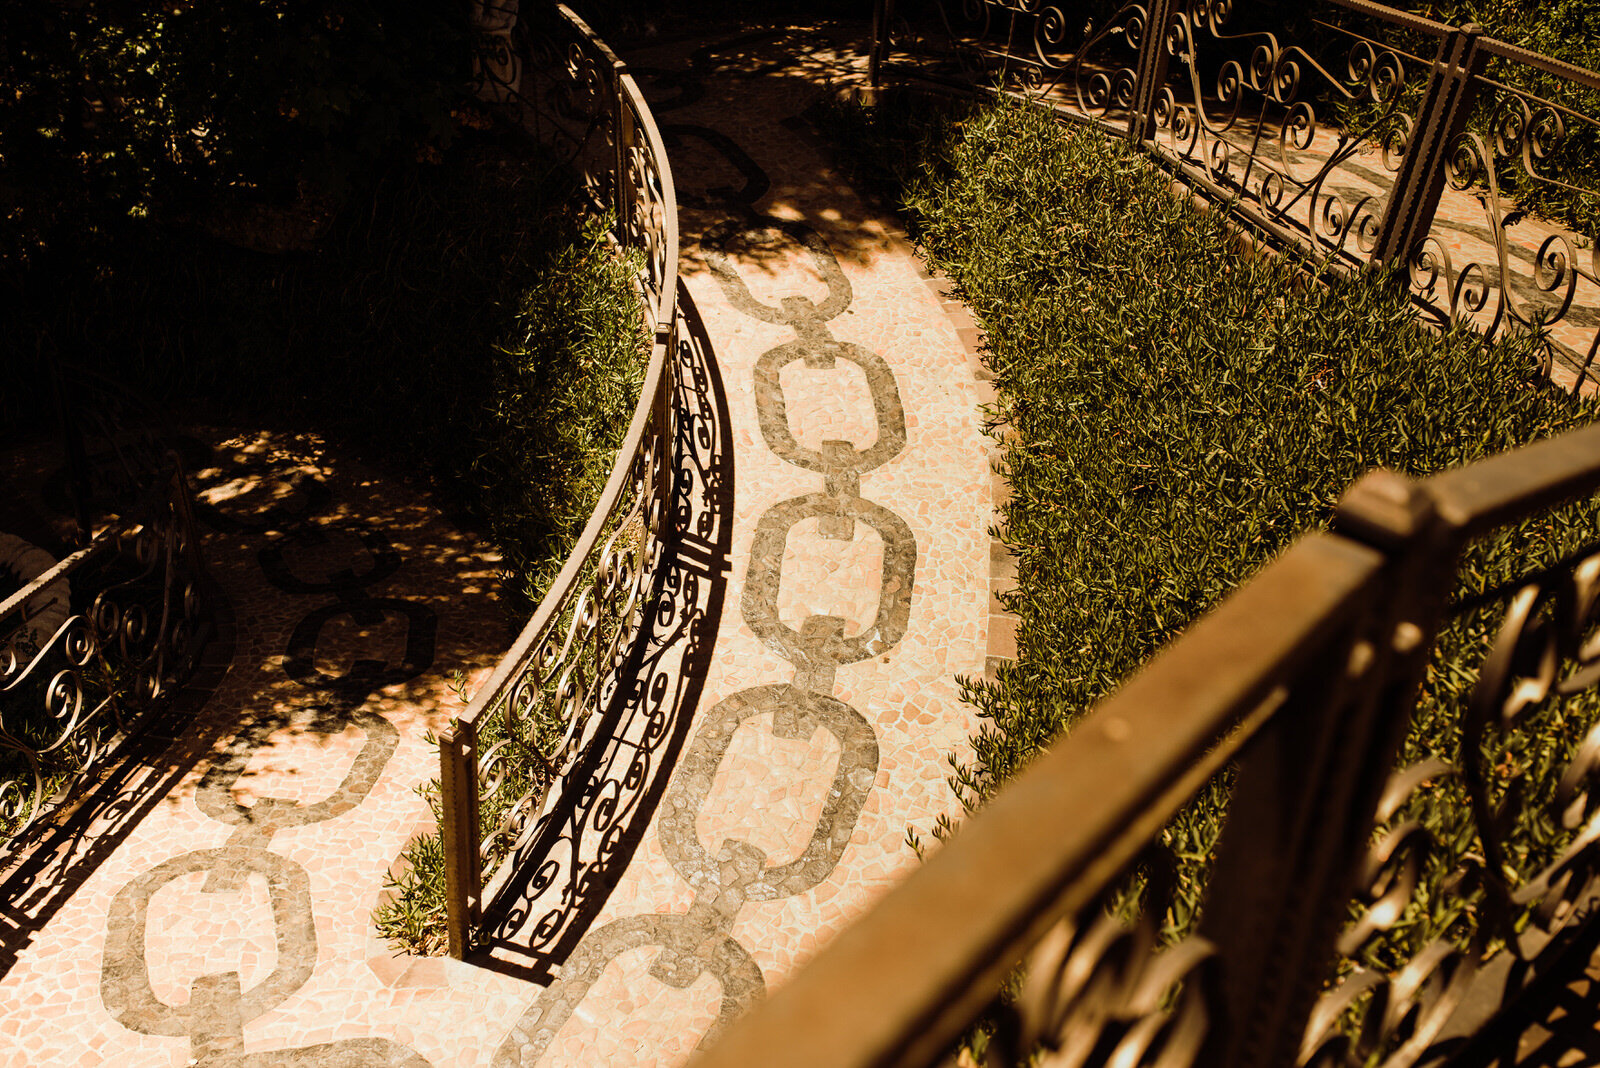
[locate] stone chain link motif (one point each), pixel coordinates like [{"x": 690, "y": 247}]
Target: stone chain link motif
[
  {"x": 219, "y": 1007},
  {"x": 699, "y": 941},
  {"x": 561, "y": 877}
]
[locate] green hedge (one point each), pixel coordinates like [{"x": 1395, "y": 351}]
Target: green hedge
[{"x": 1176, "y": 414}]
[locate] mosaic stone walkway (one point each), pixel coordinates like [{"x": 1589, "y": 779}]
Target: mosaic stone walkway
[
  {"x": 230, "y": 925},
  {"x": 859, "y": 584},
  {"x": 231, "y": 922}
]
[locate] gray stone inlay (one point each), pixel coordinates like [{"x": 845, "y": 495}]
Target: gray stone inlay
[
  {"x": 255, "y": 825},
  {"x": 760, "y": 601},
  {"x": 691, "y": 944},
  {"x": 835, "y": 462},
  {"x": 797, "y": 312},
  {"x": 796, "y": 715},
  {"x": 348, "y": 1053},
  {"x": 218, "y": 1009}
]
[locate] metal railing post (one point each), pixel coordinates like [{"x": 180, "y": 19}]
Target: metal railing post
[
  {"x": 1151, "y": 73},
  {"x": 621, "y": 130},
  {"x": 882, "y": 14},
  {"x": 661, "y": 484},
  {"x": 475, "y": 870},
  {"x": 1452, "y": 88},
  {"x": 1308, "y": 787},
  {"x": 458, "y": 792}
]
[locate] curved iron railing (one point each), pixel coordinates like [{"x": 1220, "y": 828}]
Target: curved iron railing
[
  {"x": 1297, "y": 692},
  {"x": 1340, "y": 134},
  {"x": 87, "y": 650},
  {"x": 506, "y": 765}
]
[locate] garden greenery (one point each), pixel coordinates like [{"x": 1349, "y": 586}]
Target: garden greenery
[
  {"x": 1173, "y": 414},
  {"x": 1565, "y": 186},
  {"x": 557, "y": 352},
  {"x": 116, "y": 111}
]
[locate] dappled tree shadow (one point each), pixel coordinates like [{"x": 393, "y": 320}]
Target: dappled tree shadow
[{"x": 345, "y": 604}]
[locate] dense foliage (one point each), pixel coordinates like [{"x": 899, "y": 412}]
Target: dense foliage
[
  {"x": 463, "y": 320},
  {"x": 116, "y": 111},
  {"x": 467, "y": 302},
  {"x": 1174, "y": 415},
  {"x": 285, "y": 215}
]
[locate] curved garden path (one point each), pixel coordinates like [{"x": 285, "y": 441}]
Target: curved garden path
[
  {"x": 226, "y": 918},
  {"x": 859, "y": 581}
]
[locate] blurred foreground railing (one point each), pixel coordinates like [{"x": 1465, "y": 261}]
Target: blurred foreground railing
[
  {"x": 1372, "y": 898},
  {"x": 88, "y": 649},
  {"x": 1346, "y": 129},
  {"x": 508, "y": 764}
]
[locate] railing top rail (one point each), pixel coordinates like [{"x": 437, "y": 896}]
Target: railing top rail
[
  {"x": 63, "y": 568},
  {"x": 924, "y": 962},
  {"x": 506, "y": 671},
  {"x": 1493, "y": 46},
  {"x": 1394, "y": 15},
  {"x": 1516, "y": 484},
  {"x": 594, "y": 40},
  {"x": 1549, "y": 64},
  {"x": 664, "y": 313}
]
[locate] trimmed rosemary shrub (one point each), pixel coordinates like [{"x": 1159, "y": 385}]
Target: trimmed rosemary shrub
[
  {"x": 544, "y": 372},
  {"x": 1174, "y": 414}
]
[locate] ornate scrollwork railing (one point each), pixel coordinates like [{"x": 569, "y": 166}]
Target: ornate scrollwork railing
[
  {"x": 1394, "y": 863},
  {"x": 1337, "y": 137},
  {"x": 88, "y": 648},
  {"x": 510, "y": 765}
]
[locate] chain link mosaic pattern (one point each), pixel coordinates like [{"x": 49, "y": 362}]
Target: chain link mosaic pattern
[
  {"x": 698, "y": 942},
  {"x": 352, "y": 560},
  {"x": 769, "y": 813}
]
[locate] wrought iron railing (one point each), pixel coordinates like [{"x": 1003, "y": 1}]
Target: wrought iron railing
[
  {"x": 1336, "y": 135},
  {"x": 516, "y": 795},
  {"x": 88, "y": 648},
  {"x": 1291, "y": 702}
]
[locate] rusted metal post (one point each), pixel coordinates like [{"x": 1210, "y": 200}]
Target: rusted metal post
[
  {"x": 458, "y": 790},
  {"x": 1151, "y": 73},
  {"x": 78, "y": 481},
  {"x": 663, "y": 407},
  {"x": 1452, "y": 87},
  {"x": 622, "y": 139},
  {"x": 1303, "y": 802}
]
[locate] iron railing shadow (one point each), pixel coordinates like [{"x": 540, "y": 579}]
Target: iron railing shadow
[{"x": 549, "y": 777}]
